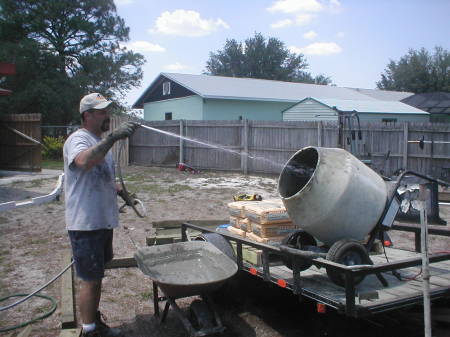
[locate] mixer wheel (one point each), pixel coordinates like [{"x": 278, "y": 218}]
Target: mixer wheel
[
  {"x": 298, "y": 240},
  {"x": 348, "y": 252}
]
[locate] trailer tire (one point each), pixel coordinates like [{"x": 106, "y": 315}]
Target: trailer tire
[
  {"x": 219, "y": 242},
  {"x": 298, "y": 240},
  {"x": 348, "y": 252}
]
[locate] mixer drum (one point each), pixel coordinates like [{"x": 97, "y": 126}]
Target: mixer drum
[{"x": 331, "y": 194}]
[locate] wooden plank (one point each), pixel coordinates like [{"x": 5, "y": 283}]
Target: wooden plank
[
  {"x": 244, "y": 146},
  {"x": 25, "y": 332},
  {"x": 70, "y": 333},
  {"x": 122, "y": 262},
  {"x": 68, "y": 318},
  {"x": 176, "y": 223},
  {"x": 440, "y": 281},
  {"x": 405, "y": 145}
]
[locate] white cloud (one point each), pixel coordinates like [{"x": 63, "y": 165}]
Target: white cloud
[
  {"x": 177, "y": 66},
  {"x": 145, "y": 47},
  {"x": 335, "y": 5},
  {"x": 123, "y": 2},
  {"x": 293, "y": 6},
  {"x": 282, "y": 24},
  {"x": 340, "y": 35},
  {"x": 318, "y": 48},
  {"x": 310, "y": 35},
  {"x": 303, "y": 19},
  {"x": 186, "y": 23}
]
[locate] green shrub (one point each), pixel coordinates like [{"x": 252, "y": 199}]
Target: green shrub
[{"x": 53, "y": 147}]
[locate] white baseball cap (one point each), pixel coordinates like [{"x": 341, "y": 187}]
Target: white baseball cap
[{"x": 93, "y": 101}]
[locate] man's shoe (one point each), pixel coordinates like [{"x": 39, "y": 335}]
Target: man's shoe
[
  {"x": 94, "y": 333},
  {"x": 103, "y": 329}
]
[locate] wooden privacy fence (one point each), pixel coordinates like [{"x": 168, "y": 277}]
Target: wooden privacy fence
[
  {"x": 121, "y": 158},
  {"x": 265, "y": 146},
  {"x": 17, "y": 152}
]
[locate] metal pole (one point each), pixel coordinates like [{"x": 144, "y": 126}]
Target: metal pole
[
  {"x": 181, "y": 153},
  {"x": 425, "y": 261}
]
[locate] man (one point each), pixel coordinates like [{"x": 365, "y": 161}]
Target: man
[{"x": 91, "y": 204}]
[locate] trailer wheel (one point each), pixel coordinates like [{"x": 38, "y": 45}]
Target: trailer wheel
[
  {"x": 201, "y": 316},
  {"x": 298, "y": 240},
  {"x": 219, "y": 242},
  {"x": 348, "y": 252}
]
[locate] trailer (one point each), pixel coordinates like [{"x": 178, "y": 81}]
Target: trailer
[{"x": 400, "y": 268}]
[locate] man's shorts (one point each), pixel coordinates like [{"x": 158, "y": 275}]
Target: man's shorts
[{"x": 91, "y": 250}]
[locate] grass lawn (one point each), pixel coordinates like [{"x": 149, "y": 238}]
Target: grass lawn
[{"x": 53, "y": 164}]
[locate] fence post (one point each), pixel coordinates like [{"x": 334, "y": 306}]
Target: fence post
[
  {"x": 405, "y": 148},
  {"x": 319, "y": 134},
  {"x": 244, "y": 147},
  {"x": 181, "y": 158}
]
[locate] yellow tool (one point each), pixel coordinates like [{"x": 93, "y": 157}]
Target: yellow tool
[{"x": 247, "y": 197}]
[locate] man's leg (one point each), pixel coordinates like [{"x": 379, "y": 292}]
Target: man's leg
[{"x": 89, "y": 300}]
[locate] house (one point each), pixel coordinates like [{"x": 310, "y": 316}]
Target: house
[
  {"x": 204, "y": 97},
  {"x": 329, "y": 109},
  {"x": 436, "y": 103}
]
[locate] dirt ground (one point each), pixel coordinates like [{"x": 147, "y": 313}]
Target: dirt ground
[{"x": 33, "y": 242}]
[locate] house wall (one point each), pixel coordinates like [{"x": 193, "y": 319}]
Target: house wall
[
  {"x": 309, "y": 110},
  {"x": 440, "y": 118},
  {"x": 224, "y": 109},
  {"x": 190, "y": 107},
  {"x": 403, "y": 117}
]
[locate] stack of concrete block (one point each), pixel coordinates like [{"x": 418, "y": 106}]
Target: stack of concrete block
[
  {"x": 261, "y": 221},
  {"x": 269, "y": 221},
  {"x": 239, "y": 223}
]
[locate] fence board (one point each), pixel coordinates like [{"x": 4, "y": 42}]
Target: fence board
[
  {"x": 17, "y": 152},
  {"x": 270, "y": 144}
]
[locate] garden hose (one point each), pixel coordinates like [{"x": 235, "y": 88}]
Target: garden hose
[
  {"x": 27, "y": 296},
  {"x": 44, "y": 315}
]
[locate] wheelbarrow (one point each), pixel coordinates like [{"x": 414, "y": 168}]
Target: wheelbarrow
[
  {"x": 187, "y": 269},
  {"x": 336, "y": 200}
]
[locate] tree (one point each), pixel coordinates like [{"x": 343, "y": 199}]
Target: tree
[
  {"x": 261, "y": 58},
  {"x": 64, "y": 49},
  {"x": 418, "y": 72}
]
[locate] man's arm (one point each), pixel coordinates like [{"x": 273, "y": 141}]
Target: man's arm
[{"x": 95, "y": 154}]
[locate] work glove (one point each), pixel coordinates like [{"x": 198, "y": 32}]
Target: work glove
[{"x": 123, "y": 131}]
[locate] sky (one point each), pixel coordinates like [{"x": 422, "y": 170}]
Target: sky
[{"x": 352, "y": 41}]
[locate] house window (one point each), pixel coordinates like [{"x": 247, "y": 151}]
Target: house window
[
  {"x": 166, "y": 88},
  {"x": 389, "y": 121},
  {"x": 168, "y": 116}
]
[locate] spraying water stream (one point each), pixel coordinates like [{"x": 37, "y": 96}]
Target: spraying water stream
[{"x": 304, "y": 172}]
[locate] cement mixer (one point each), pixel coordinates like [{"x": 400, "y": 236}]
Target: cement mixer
[
  {"x": 341, "y": 206},
  {"x": 331, "y": 194}
]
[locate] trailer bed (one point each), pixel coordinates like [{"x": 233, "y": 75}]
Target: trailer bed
[{"x": 368, "y": 297}]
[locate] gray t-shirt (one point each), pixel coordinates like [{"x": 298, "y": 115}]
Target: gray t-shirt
[{"x": 91, "y": 199}]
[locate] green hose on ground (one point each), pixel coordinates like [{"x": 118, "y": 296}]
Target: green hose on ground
[{"x": 46, "y": 314}]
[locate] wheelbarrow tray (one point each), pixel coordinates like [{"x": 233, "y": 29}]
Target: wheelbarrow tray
[{"x": 186, "y": 268}]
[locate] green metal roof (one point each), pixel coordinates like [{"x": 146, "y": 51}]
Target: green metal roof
[{"x": 368, "y": 106}]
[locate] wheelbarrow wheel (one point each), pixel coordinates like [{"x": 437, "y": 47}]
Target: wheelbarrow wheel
[
  {"x": 348, "y": 252},
  {"x": 298, "y": 240},
  {"x": 201, "y": 316}
]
